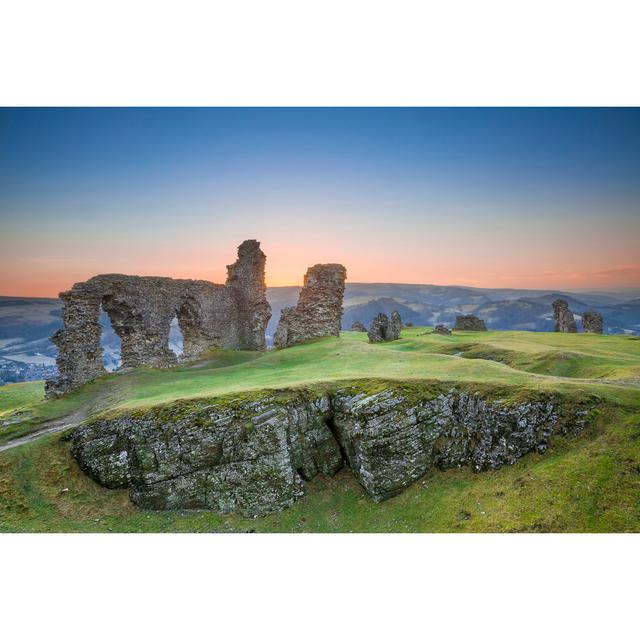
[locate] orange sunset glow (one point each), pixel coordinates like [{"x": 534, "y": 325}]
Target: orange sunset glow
[{"x": 511, "y": 198}]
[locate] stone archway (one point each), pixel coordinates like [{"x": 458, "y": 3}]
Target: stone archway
[{"x": 195, "y": 340}]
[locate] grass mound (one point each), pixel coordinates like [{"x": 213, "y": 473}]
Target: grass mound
[
  {"x": 608, "y": 366},
  {"x": 589, "y": 483}
]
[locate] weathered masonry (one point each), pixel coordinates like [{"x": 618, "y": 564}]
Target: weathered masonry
[
  {"x": 563, "y": 316},
  {"x": 319, "y": 309},
  {"x": 141, "y": 309}
]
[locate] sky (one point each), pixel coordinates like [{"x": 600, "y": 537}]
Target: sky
[{"x": 514, "y": 198}]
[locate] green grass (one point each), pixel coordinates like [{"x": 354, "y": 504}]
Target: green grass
[
  {"x": 19, "y": 397},
  {"x": 586, "y": 483},
  {"x": 606, "y": 365}
]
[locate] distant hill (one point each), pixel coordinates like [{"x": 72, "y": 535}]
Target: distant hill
[{"x": 26, "y": 324}]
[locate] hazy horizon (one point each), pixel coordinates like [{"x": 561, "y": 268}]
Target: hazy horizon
[{"x": 533, "y": 199}]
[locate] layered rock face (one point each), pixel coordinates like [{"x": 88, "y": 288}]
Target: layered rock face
[
  {"x": 358, "y": 326},
  {"x": 565, "y": 322},
  {"x": 469, "y": 323},
  {"x": 383, "y": 329},
  {"x": 442, "y": 330},
  {"x": 390, "y": 440},
  {"x": 319, "y": 310},
  {"x": 592, "y": 322},
  {"x": 141, "y": 310},
  {"x": 254, "y": 456},
  {"x": 250, "y": 458}
]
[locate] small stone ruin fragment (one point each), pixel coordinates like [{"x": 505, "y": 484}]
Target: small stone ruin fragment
[
  {"x": 382, "y": 329},
  {"x": 358, "y": 326},
  {"x": 592, "y": 322},
  {"x": 565, "y": 322},
  {"x": 442, "y": 330},
  {"x": 469, "y": 323}
]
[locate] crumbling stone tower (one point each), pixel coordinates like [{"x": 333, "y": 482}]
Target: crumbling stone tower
[
  {"x": 565, "y": 322},
  {"x": 141, "y": 309},
  {"x": 245, "y": 277},
  {"x": 319, "y": 309}
]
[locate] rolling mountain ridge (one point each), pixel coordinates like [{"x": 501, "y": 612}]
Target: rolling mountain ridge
[{"x": 26, "y": 324}]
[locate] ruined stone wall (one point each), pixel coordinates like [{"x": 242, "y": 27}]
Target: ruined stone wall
[
  {"x": 442, "y": 330},
  {"x": 382, "y": 329},
  {"x": 469, "y": 323},
  {"x": 592, "y": 322},
  {"x": 141, "y": 310},
  {"x": 565, "y": 322},
  {"x": 319, "y": 309}
]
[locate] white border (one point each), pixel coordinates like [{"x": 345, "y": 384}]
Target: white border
[
  {"x": 319, "y": 586},
  {"x": 329, "y": 52}
]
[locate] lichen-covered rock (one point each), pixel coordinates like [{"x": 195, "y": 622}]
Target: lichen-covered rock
[
  {"x": 390, "y": 440},
  {"x": 250, "y": 457},
  {"x": 382, "y": 329},
  {"x": 442, "y": 330},
  {"x": 141, "y": 309},
  {"x": 565, "y": 322},
  {"x": 253, "y": 455},
  {"x": 358, "y": 326},
  {"x": 469, "y": 323},
  {"x": 592, "y": 322},
  {"x": 318, "y": 313}
]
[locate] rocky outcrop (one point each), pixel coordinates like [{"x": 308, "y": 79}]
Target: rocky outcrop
[
  {"x": 391, "y": 440},
  {"x": 565, "y": 322},
  {"x": 358, "y": 326},
  {"x": 319, "y": 310},
  {"x": 254, "y": 456},
  {"x": 141, "y": 310},
  {"x": 442, "y": 330},
  {"x": 382, "y": 329},
  {"x": 249, "y": 457},
  {"x": 592, "y": 322},
  {"x": 469, "y": 323}
]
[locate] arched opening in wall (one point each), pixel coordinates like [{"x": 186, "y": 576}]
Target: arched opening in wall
[
  {"x": 176, "y": 339},
  {"x": 110, "y": 343}
]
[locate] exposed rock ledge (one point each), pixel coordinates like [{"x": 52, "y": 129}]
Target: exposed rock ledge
[{"x": 253, "y": 455}]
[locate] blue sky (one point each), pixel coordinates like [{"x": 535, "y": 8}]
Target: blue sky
[{"x": 488, "y": 197}]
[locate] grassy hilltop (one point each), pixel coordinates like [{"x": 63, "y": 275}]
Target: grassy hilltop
[{"x": 587, "y": 483}]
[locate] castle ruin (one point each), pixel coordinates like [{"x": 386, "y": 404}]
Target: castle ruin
[
  {"x": 469, "y": 323},
  {"x": 592, "y": 322},
  {"x": 141, "y": 309},
  {"x": 563, "y": 316},
  {"x": 383, "y": 329},
  {"x": 319, "y": 309}
]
